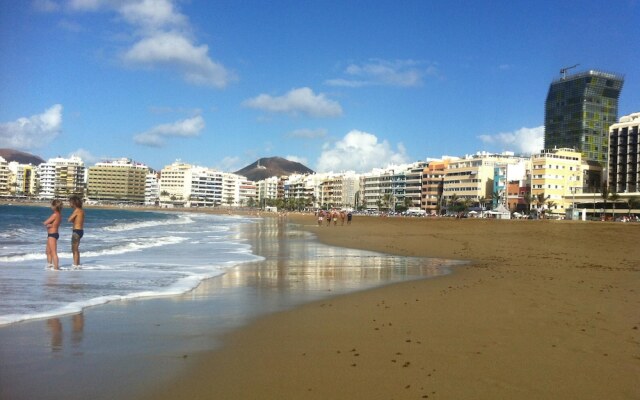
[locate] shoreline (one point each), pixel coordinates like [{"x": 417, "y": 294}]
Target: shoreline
[
  {"x": 546, "y": 309},
  {"x": 134, "y": 346}
]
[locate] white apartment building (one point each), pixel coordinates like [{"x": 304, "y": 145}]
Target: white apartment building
[
  {"x": 267, "y": 189},
  {"x": 388, "y": 188},
  {"x": 175, "y": 184},
  {"x": 413, "y": 184},
  {"x": 61, "y": 177},
  {"x": 377, "y": 188},
  {"x": 305, "y": 187},
  {"x": 4, "y": 177},
  {"x": 206, "y": 187},
  {"x": 237, "y": 190},
  {"x": 186, "y": 185},
  {"x": 339, "y": 190},
  {"x": 151, "y": 190}
]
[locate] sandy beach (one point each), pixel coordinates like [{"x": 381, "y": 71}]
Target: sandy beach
[{"x": 544, "y": 310}]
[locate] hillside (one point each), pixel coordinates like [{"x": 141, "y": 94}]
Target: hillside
[
  {"x": 20, "y": 156},
  {"x": 272, "y": 166}
]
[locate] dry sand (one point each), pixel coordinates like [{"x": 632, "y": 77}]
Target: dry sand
[{"x": 546, "y": 310}]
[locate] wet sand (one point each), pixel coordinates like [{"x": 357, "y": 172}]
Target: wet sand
[
  {"x": 126, "y": 349},
  {"x": 545, "y": 310}
]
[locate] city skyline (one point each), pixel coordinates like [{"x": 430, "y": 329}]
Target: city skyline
[{"x": 334, "y": 85}]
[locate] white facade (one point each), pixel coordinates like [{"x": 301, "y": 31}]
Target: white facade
[
  {"x": 175, "y": 184},
  {"x": 193, "y": 186},
  {"x": 237, "y": 190},
  {"x": 151, "y": 190},
  {"x": 4, "y": 177},
  {"x": 206, "y": 187},
  {"x": 61, "y": 177},
  {"x": 267, "y": 189}
]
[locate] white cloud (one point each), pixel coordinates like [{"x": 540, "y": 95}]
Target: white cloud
[
  {"x": 155, "y": 136},
  {"x": 151, "y": 13},
  {"x": 229, "y": 164},
  {"x": 86, "y": 156},
  {"x": 32, "y": 132},
  {"x": 523, "y": 140},
  {"x": 297, "y": 159},
  {"x": 359, "y": 151},
  {"x": 163, "y": 38},
  {"x": 297, "y": 101},
  {"x": 173, "y": 49},
  {"x": 308, "y": 133},
  {"x": 402, "y": 73}
]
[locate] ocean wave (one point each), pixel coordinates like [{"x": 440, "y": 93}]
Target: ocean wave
[
  {"x": 181, "y": 286},
  {"x": 115, "y": 250},
  {"x": 129, "y": 226}
]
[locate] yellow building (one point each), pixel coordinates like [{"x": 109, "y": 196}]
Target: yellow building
[
  {"x": 117, "y": 181},
  {"x": 556, "y": 175},
  {"x": 471, "y": 178}
]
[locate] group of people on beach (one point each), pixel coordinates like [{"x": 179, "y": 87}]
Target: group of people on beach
[
  {"x": 53, "y": 224},
  {"x": 333, "y": 215}
]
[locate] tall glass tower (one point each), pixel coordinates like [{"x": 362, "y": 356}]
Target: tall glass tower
[{"x": 579, "y": 110}]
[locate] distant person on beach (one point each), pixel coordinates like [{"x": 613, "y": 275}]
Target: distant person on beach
[
  {"x": 53, "y": 223},
  {"x": 349, "y": 217},
  {"x": 320, "y": 218},
  {"x": 77, "y": 218}
]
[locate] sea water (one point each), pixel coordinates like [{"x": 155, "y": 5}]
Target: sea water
[{"x": 124, "y": 255}]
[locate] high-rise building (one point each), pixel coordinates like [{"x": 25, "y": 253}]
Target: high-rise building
[
  {"x": 117, "y": 181},
  {"x": 579, "y": 110},
  {"x": 60, "y": 178},
  {"x": 624, "y": 156}
]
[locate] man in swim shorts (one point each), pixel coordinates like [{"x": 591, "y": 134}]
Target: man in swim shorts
[{"x": 77, "y": 218}]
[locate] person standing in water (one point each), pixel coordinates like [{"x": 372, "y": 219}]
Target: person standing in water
[
  {"x": 77, "y": 219},
  {"x": 53, "y": 223}
]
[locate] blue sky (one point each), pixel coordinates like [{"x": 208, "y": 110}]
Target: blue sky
[{"x": 337, "y": 85}]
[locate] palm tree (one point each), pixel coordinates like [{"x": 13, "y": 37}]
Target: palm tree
[
  {"x": 550, "y": 204},
  {"x": 614, "y": 196},
  {"x": 453, "y": 200},
  {"x": 464, "y": 204},
  {"x": 496, "y": 196},
  {"x": 481, "y": 202},
  {"x": 540, "y": 200}
]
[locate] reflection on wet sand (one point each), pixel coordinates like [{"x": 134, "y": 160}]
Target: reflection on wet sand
[
  {"x": 54, "y": 325},
  {"x": 296, "y": 265}
]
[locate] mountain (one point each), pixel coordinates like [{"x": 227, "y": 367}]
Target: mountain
[
  {"x": 272, "y": 166},
  {"x": 20, "y": 156}
]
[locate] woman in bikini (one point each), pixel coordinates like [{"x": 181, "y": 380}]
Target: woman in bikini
[{"x": 53, "y": 223}]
